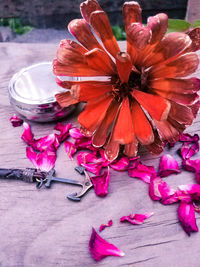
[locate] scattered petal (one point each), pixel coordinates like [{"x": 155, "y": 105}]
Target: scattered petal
[
  {"x": 44, "y": 143},
  {"x": 27, "y": 135},
  {"x": 121, "y": 164},
  {"x": 70, "y": 148},
  {"x": 144, "y": 172},
  {"x": 75, "y": 133},
  {"x": 158, "y": 189},
  {"x": 101, "y": 183},
  {"x": 189, "y": 138},
  {"x": 16, "y": 122},
  {"x": 136, "y": 218},
  {"x": 103, "y": 226},
  {"x": 64, "y": 131},
  {"x": 188, "y": 150},
  {"x": 100, "y": 248},
  {"x": 168, "y": 165},
  {"x": 186, "y": 216}
]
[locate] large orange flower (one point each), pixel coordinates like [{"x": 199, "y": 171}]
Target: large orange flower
[{"x": 147, "y": 96}]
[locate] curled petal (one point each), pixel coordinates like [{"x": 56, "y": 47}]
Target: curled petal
[
  {"x": 44, "y": 143},
  {"x": 88, "y": 7},
  {"x": 131, "y": 149},
  {"x": 124, "y": 66},
  {"x": 93, "y": 168},
  {"x": 158, "y": 189},
  {"x": 101, "y": 183},
  {"x": 70, "y": 148},
  {"x": 64, "y": 131},
  {"x": 158, "y": 25},
  {"x": 136, "y": 218},
  {"x": 27, "y": 135},
  {"x": 185, "y": 137},
  {"x": 168, "y": 165},
  {"x": 75, "y": 133},
  {"x": 131, "y": 13},
  {"x": 44, "y": 161},
  {"x": 166, "y": 131},
  {"x": 100, "y": 248},
  {"x": 139, "y": 35},
  {"x": 16, "y": 122},
  {"x": 181, "y": 113},
  {"x": 195, "y": 37},
  {"x": 121, "y": 164},
  {"x": 191, "y": 165},
  {"x": 85, "y": 142},
  {"x": 103, "y": 226},
  {"x": 144, "y": 172},
  {"x": 65, "y": 99},
  {"x": 191, "y": 189},
  {"x": 186, "y": 215},
  {"x": 86, "y": 157},
  {"x": 187, "y": 150}
]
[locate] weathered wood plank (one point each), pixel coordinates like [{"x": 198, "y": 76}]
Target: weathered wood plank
[
  {"x": 193, "y": 11},
  {"x": 42, "y": 228}
]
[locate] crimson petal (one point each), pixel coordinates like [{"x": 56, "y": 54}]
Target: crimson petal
[
  {"x": 101, "y": 184},
  {"x": 100, "y": 248},
  {"x": 16, "y": 122},
  {"x": 103, "y": 226},
  {"x": 168, "y": 165}
]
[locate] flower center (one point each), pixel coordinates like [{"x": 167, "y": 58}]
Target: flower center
[{"x": 137, "y": 81}]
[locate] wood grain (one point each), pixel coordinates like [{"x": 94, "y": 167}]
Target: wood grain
[{"x": 43, "y": 228}]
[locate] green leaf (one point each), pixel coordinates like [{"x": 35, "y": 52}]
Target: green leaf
[
  {"x": 119, "y": 32},
  {"x": 196, "y": 23},
  {"x": 178, "y": 25}
]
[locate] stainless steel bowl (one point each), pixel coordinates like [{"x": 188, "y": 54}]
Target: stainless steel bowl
[{"x": 32, "y": 93}]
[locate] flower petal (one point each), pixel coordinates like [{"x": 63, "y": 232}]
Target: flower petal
[
  {"x": 85, "y": 143},
  {"x": 44, "y": 143},
  {"x": 136, "y": 218},
  {"x": 185, "y": 137},
  {"x": 27, "y": 135},
  {"x": 100, "y": 248},
  {"x": 88, "y": 118},
  {"x": 88, "y": 7},
  {"x": 65, "y": 99},
  {"x": 168, "y": 165},
  {"x": 100, "y": 23},
  {"x": 166, "y": 131},
  {"x": 157, "y": 146},
  {"x": 131, "y": 149},
  {"x": 16, "y": 122},
  {"x": 195, "y": 37},
  {"x": 81, "y": 31},
  {"x": 70, "y": 148},
  {"x": 101, "y": 183},
  {"x": 147, "y": 101},
  {"x": 102, "y": 131},
  {"x": 158, "y": 189},
  {"x": 141, "y": 125},
  {"x": 131, "y": 13},
  {"x": 99, "y": 60},
  {"x": 123, "y": 129},
  {"x": 64, "y": 131},
  {"x": 121, "y": 164},
  {"x": 44, "y": 161},
  {"x": 186, "y": 215},
  {"x": 124, "y": 66},
  {"x": 187, "y": 150},
  {"x": 181, "y": 67},
  {"x": 86, "y": 157},
  {"x": 103, "y": 226},
  {"x": 139, "y": 170},
  {"x": 181, "y": 113},
  {"x": 139, "y": 35},
  {"x": 75, "y": 133},
  {"x": 158, "y": 25}
]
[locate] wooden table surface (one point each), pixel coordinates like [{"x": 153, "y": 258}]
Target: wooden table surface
[{"x": 43, "y": 228}]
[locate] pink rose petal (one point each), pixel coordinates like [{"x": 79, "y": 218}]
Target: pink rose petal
[
  {"x": 120, "y": 165},
  {"x": 93, "y": 167},
  {"x": 100, "y": 248},
  {"x": 186, "y": 216},
  {"x": 103, "y": 226},
  {"x": 86, "y": 157},
  {"x": 189, "y": 138},
  {"x": 144, "y": 172},
  {"x": 168, "y": 165},
  {"x": 179, "y": 195},
  {"x": 44, "y": 161},
  {"x": 193, "y": 190},
  {"x": 64, "y": 131},
  {"x": 75, "y": 133},
  {"x": 16, "y": 122},
  {"x": 70, "y": 149},
  {"x": 27, "y": 135},
  {"x": 101, "y": 183},
  {"x": 85, "y": 143},
  {"x": 136, "y": 218},
  {"x": 188, "y": 150},
  {"x": 158, "y": 189},
  {"x": 44, "y": 143}
]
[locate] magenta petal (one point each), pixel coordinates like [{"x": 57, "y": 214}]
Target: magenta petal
[
  {"x": 141, "y": 171},
  {"x": 121, "y": 164},
  {"x": 188, "y": 150},
  {"x": 168, "y": 165},
  {"x": 158, "y": 189},
  {"x": 16, "y": 122},
  {"x": 191, "y": 165},
  {"x": 136, "y": 218},
  {"x": 189, "y": 138},
  {"x": 64, "y": 131},
  {"x": 191, "y": 189},
  {"x": 186, "y": 215},
  {"x": 101, "y": 183},
  {"x": 85, "y": 142},
  {"x": 27, "y": 135},
  {"x": 100, "y": 248},
  {"x": 44, "y": 143},
  {"x": 70, "y": 149},
  {"x": 75, "y": 133},
  {"x": 86, "y": 157},
  {"x": 103, "y": 226},
  {"x": 93, "y": 167},
  {"x": 44, "y": 161}
]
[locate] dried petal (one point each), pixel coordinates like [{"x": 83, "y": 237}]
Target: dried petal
[
  {"x": 101, "y": 183},
  {"x": 185, "y": 137},
  {"x": 75, "y": 133},
  {"x": 168, "y": 165},
  {"x": 121, "y": 164},
  {"x": 64, "y": 131},
  {"x": 16, "y": 122},
  {"x": 70, "y": 148},
  {"x": 186, "y": 215},
  {"x": 187, "y": 150},
  {"x": 100, "y": 248},
  {"x": 103, "y": 226},
  {"x": 27, "y": 135},
  {"x": 141, "y": 171},
  {"x": 158, "y": 189},
  {"x": 44, "y": 161},
  {"x": 44, "y": 143},
  {"x": 136, "y": 218}
]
